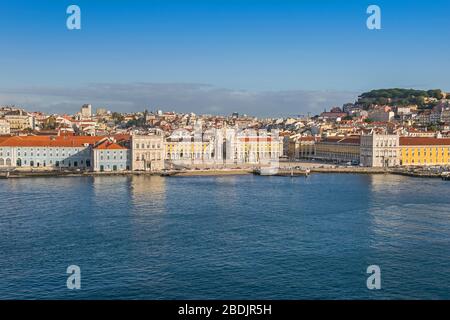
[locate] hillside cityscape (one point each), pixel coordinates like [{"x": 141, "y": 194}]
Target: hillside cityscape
[{"x": 381, "y": 129}]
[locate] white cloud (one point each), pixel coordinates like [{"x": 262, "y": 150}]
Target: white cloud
[{"x": 181, "y": 97}]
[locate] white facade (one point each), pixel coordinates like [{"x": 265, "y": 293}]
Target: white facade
[
  {"x": 7, "y": 157},
  {"x": 380, "y": 150},
  {"x": 5, "y": 127},
  {"x": 147, "y": 152},
  {"x": 45, "y": 157},
  {"x": 381, "y": 115},
  {"x": 110, "y": 160}
]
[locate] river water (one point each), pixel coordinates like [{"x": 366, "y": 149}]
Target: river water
[{"x": 230, "y": 237}]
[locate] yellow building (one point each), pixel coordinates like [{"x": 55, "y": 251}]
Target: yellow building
[
  {"x": 418, "y": 151},
  {"x": 253, "y": 149},
  {"x": 339, "y": 149},
  {"x": 301, "y": 147},
  {"x": 188, "y": 149},
  {"x": 19, "y": 120},
  {"x": 147, "y": 152}
]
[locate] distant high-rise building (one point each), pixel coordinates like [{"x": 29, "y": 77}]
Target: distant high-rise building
[{"x": 86, "y": 111}]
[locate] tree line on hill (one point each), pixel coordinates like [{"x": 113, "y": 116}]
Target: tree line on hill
[{"x": 400, "y": 97}]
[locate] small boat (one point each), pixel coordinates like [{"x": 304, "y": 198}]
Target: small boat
[{"x": 266, "y": 171}]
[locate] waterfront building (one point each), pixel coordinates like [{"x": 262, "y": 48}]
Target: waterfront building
[
  {"x": 301, "y": 147},
  {"x": 6, "y": 153},
  {"x": 419, "y": 151},
  {"x": 255, "y": 149},
  {"x": 47, "y": 152},
  {"x": 188, "y": 150},
  {"x": 223, "y": 147},
  {"x": 339, "y": 149},
  {"x": 379, "y": 150},
  {"x": 111, "y": 155},
  {"x": 147, "y": 152}
]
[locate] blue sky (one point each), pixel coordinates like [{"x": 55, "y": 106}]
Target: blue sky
[{"x": 260, "y": 57}]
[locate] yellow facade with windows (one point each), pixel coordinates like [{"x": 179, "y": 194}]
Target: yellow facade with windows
[
  {"x": 424, "y": 151},
  {"x": 188, "y": 150},
  {"x": 338, "y": 149}
]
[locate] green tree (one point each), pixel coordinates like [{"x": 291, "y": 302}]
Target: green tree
[{"x": 117, "y": 117}]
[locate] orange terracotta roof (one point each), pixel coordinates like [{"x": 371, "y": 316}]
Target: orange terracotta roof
[
  {"x": 346, "y": 140},
  {"x": 49, "y": 141},
  {"x": 424, "y": 141},
  {"x": 122, "y": 137},
  {"x": 107, "y": 145},
  {"x": 4, "y": 138},
  {"x": 307, "y": 138}
]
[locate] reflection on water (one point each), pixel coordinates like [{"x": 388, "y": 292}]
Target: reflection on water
[
  {"x": 148, "y": 194},
  {"x": 240, "y": 237},
  {"x": 409, "y": 233}
]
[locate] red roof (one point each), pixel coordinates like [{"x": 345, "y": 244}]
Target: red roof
[
  {"x": 122, "y": 137},
  {"x": 307, "y": 138},
  {"x": 343, "y": 140},
  {"x": 49, "y": 141},
  {"x": 108, "y": 145},
  {"x": 424, "y": 141}
]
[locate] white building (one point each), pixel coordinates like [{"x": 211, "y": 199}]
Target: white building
[
  {"x": 147, "y": 152},
  {"x": 380, "y": 150},
  {"x": 5, "y": 127},
  {"x": 381, "y": 115}
]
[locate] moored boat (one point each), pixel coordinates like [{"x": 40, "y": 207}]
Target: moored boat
[{"x": 266, "y": 171}]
